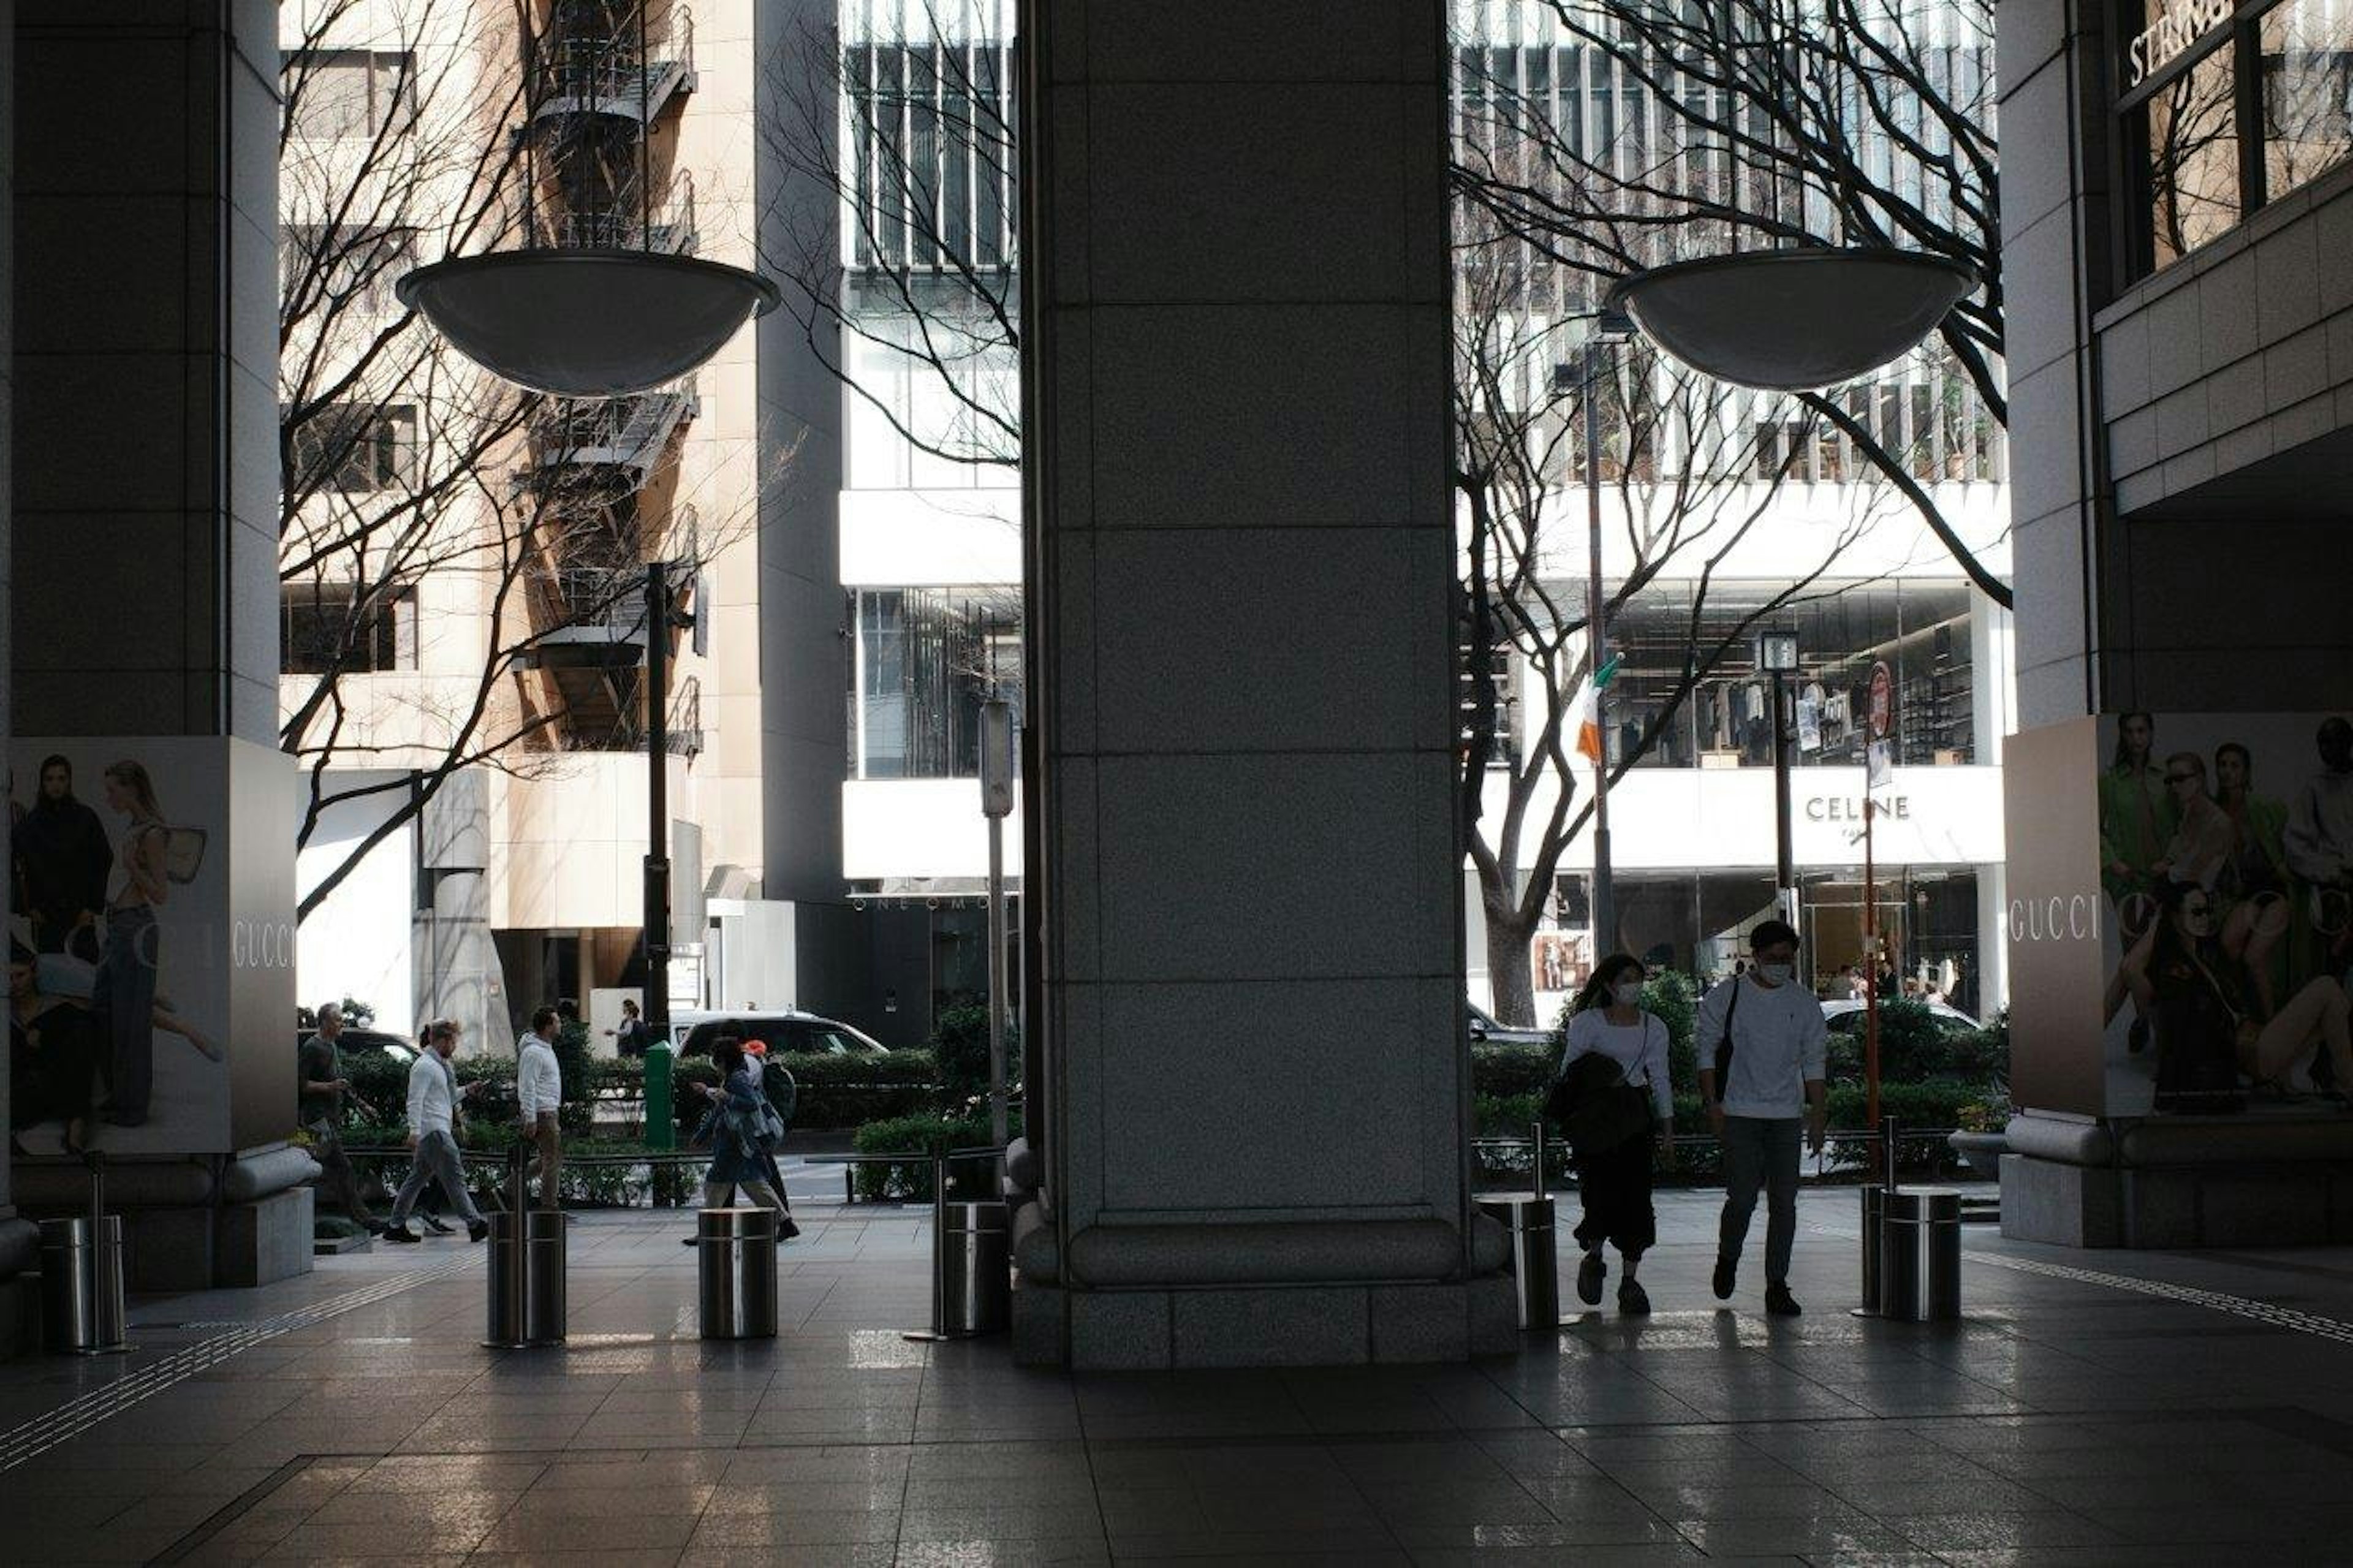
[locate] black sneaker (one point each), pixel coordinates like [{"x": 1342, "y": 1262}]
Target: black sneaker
[
  {"x": 1588, "y": 1279},
  {"x": 1633, "y": 1301},
  {"x": 1723, "y": 1280},
  {"x": 787, "y": 1230},
  {"x": 1779, "y": 1302},
  {"x": 401, "y": 1233},
  {"x": 433, "y": 1223},
  {"x": 477, "y": 1229}
]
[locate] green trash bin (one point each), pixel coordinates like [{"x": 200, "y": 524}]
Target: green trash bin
[{"x": 662, "y": 1118}]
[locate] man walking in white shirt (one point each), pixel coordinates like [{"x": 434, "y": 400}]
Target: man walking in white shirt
[
  {"x": 432, "y": 1134},
  {"x": 539, "y": 1085},
  {"x": 1774, "y": 1091}
]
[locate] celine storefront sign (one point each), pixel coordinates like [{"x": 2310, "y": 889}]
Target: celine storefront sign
[{"x": 2176, "y": 27}]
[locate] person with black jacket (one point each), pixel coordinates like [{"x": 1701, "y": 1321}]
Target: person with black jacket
[{"x": 1613, "y": 1171}]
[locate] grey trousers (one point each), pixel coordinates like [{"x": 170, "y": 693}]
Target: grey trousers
[
  {"x": 1761, "y": 1152},
  {"x": 436, "y": 1159}
]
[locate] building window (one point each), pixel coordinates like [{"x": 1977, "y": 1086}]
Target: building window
[
  {"x": 1719, "y": 713},
  {"x": 2307, "y": 90},
  {"x": 2189, "y": 139},
  {"x": 925, "y": 660},
  {"x": 930, "y": 126},
  {"x": 2222, "y": 120},
  {"x": 333, "y": 94},
  {"x": 331, "y": 628},
  {"x": 354, "y": 449}
]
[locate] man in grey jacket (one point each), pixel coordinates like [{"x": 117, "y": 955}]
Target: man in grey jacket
[{"x": 1776, "y": 1095}]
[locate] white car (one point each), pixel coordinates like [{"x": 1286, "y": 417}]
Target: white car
[
  {"x": 785, "y": 1030},
  {"x": 1846, "y": 1017}
]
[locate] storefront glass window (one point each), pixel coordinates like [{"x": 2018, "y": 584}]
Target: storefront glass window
[
  {"x": 2307, "y": 76},
  {"x": 2190, "y": 141},
  {"x": 1722, "y": 717},
  {"x": 926, "y": 659}
]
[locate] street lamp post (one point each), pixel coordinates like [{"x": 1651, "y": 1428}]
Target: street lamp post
[
  {"x": 1610, "y": 326},
  {"x": 1777, "y": 656},
  {"x": 657, "y": 883}
]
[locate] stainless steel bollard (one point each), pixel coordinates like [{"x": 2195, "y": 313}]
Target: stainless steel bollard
[
  {"x": 1920, "y": 1256},
  {"x": 736, "y": 1251},
  {"x": 1527, "y": 1220},
  {"x": 82, "y": 1286},
  {"x": 1874, "y": 1215},
  {"x": 545, "y": 1305},
  {"x": 505, "y": 1281},
  {"x": 976, "y": 1262}
]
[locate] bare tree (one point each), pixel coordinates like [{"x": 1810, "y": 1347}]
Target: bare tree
[
  {"x": 428, "y": 509},
  {"x": 1624, "y": 133},
  {"x": 1689, "y": 475}
]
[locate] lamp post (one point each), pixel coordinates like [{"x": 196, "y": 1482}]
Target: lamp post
[
  {"x": 1777, "y": 656},
  {"x": 1610, "y": 326},
  {"x": 660, "y": 618}
]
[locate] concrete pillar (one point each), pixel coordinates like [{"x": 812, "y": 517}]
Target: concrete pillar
[
  {"x": 144, "y": 493},
  {"x": 1241, "y": 539},
  {"x": 16, "y": 1235},
  {"x": 147, "y": 493}
]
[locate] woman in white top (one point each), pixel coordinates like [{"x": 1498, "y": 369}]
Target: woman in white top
[{"x": 1614, "y": 1184}]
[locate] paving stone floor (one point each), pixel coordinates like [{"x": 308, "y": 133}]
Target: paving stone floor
[{"x": 2092, "y": 1408}]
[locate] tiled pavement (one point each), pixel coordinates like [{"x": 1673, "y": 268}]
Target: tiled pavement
[{"x": 2068, "y": 1420}]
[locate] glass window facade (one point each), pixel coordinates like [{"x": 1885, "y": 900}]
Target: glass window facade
[
  {"x": 926, "y": 657},
  {"x": 1922, "y": 629},
  {"x": 2236, "y": 117}
]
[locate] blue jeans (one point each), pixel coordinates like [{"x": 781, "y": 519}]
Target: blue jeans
[
  {"x": 1761, "y": 1152},
  {"x": 124, "y": 992}
]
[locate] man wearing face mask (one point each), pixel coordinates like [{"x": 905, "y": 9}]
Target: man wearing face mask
[{"x": 1761, "y": 1046}]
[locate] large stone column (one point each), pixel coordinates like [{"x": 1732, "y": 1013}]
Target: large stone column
[
  {"x": 145, "y": 577},
  {"x": 1241, "y": 557}
]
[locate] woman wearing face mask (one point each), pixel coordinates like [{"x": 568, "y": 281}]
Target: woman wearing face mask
[
  {"x": 2182, "y": 978},
  {"x": 1614, "y": 1184}
]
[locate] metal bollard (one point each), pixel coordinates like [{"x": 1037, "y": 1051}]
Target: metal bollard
[
  {"x": 81, "y": 1277},
  {"x": 1874, "y": 1211},
  {"x": 545, "y": 1304},
  {"x": 525, "y": 1280},
  {"x": 736, "y": 1251},
  {"x": 1920, "y": 1256},
  {"x": 976, "y": 1272},
  {"x": 1534, "y": 1258}
]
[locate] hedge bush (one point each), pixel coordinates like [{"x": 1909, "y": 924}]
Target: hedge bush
[{"x": 911, "y": 1180}]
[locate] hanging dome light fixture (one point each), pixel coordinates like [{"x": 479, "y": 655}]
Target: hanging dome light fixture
[
  {"x": 591, "y": 307},
  {"x": 1791, "y": 320}
]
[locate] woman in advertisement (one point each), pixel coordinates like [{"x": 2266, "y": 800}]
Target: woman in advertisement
[
  {"x": 2138, "y": 816},
  {"x": 125, "y": 984},
  {"x": 2192, "y": 990},
  {"x": 2254, "y": 882}
]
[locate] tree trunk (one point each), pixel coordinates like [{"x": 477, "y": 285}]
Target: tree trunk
[{"x": 1508, "y": 971}]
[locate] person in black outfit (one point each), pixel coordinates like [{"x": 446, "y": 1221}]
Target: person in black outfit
[
  {"x": 629, "y": 1039},
  {"x": 61, "y": 851},
  {"x": 53, "y": 1043},
  {"x": 1613, "y": 1183}
]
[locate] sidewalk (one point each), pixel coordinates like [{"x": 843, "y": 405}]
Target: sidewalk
[{"x": 2101, "y": 1407}]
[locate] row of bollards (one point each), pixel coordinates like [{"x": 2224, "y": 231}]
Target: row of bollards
[{"x": 1911, "y": 1245}]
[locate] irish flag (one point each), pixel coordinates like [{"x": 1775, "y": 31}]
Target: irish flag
[{"x": 1589, "y": 711}]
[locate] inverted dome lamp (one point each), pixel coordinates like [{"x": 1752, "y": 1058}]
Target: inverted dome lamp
[
  {"x": 586, "y": 323},
  {"x": 1791, "y": 320}
]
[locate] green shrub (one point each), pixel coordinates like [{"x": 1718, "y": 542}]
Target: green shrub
[
  {"x": 1512, "y": 1069},
  {"x": 922, "y": 1136}
]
